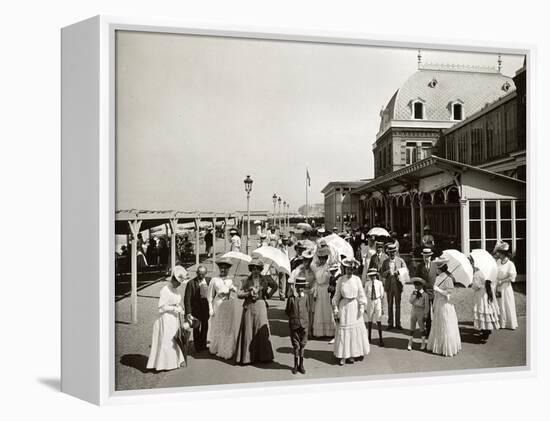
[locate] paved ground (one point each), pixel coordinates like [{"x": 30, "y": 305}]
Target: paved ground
[{"x": 505, "y": 348}]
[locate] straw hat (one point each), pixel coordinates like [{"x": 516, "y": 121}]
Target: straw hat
[
  {"x": 391, "y": 248},
  {"x": 350, "y": 262},
  {"x": 179, "y": 273},
  {"x": 419, "y": 281},
  {"x": 334, "y": 267},
  {"x": 427, "y": 228},
  {"x": 321, "y": 230},
  {"x": 372, "y": 272},
  {"x": 427, "y": 252},
  {"x": 308, "y": 254},
  {"x": 224, "y": 261},
  {"x": 233, "y": 231},
  {"x": 379, "y": 244}
]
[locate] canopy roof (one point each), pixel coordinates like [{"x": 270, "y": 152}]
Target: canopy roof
[{"x": 153, "y": 218}]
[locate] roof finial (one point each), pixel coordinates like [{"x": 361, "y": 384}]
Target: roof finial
[
  {"x": 419, "y": 56},
  {"x": 499, "y": 61}
]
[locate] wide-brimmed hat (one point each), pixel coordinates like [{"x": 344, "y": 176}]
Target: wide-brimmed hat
[
  {"x": 427, "y": 228},
  {"x": 179, "y": 274},
  {"x": 379, "y": 244},
  {"x": 502, "y": 246},
  {"x": 334, "y": 267},
  {"x": 323, "y": 251},
  {"x": 335, "y": 228},
  {"x": 440, "y": 261},
  {"x": 419, "y": 281},
  {"x": 372, "y": 272},
  {"x": 255, "y": 262},
  {"x": 391, "y": 247},
  {"x": 299, "y": 245},
  {"x": 224, "y": 261},
  {"x": 233, "y": 231},
  {"x": 350, "y": 262},
  {"x": 308, "y": 253},
  {"x": 427, "y": 252},
  {"x": 321, "y": 230}
]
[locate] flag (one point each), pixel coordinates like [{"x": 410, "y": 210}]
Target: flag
[{"x": 308, "y": 178}]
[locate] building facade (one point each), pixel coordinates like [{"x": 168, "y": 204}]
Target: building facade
[{"x": 341, "y": 207}]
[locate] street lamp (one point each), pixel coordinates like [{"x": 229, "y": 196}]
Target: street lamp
[
  {"x": 288, "y": 216},
  {"x": 284, "y": 214},
  {"x": 248, "y": 188},
  {"x": 274, "y": 204},
  {"x": 279, "y": 200}
]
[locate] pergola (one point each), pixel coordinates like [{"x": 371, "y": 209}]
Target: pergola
[{"x": 132, "y": 222}]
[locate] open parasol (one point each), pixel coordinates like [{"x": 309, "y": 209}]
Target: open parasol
[
  {"x": 378, "y": 232},
  {"x": 304, "y": 226},
  {"x": 485, "y": 263},
  {"x": 459, "y": 266},
  {"x": 341, "y": 246},
  {"x": 273, "y": 257},
  {"x": 237, "y": 256}
]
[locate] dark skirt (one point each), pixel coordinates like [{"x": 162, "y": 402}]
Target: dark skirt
[{"x": 253, "y": 341}]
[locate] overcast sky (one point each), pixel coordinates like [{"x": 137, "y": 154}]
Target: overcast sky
[{"x": 195, "y": 115}]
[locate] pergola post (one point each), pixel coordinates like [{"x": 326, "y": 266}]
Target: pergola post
[
  {"x": 413, "y": 225},
  {"x": 173, "y": 229},
  {"x": 197, "y": 239},
  {"x": 225, "y": 232},
  {"x": 214, "y": 245},
  {"x": 465, "y": 226},
  {"x": 386, "y": 211},
  {"x": 134, "y": 229}
]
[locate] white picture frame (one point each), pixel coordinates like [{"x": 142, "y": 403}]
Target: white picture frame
[{"x": 88, "y": 197}]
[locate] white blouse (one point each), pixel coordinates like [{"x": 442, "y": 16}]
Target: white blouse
[{"x": 506, "y": 272}]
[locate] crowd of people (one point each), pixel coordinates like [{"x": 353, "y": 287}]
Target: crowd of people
[{"x": 330, "y": 297}]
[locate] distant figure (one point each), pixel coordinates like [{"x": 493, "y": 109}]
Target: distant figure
[
  {"x": 163, "y": 252},
  {"x": 272, "y": 239},
  {"x": 428, "y": 272},
  {"x": 152, "y": 252},
  {"x": 209, "y": 242},
  {"x": 235, "y": 240},
  {"x": 428, "y": 240}
]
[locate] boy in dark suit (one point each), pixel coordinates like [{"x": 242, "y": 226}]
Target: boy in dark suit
[
  {"x": 297, "y": 310},
  {"x": 196, "y": 306}
]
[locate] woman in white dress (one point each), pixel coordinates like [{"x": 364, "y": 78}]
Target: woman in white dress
[
  {"x": 485, "y": 306},
  {"x": 351, "y": 340},
  {"x": 165, "y": 353},
  {"x": 444, "y": 336},
  {"x": 323, "y": 319},
  {"x": 506, "y": 275},
  {"x": 224, "y": 322}
]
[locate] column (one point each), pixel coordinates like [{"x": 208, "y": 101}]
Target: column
[
  {"x": 421, "y": 217},
  {"x": 413, "y": 224},
  {"x": 465, "y": 226},
  {"x": 134, "y": 229},
  {"x": 391, "y": 214},
  {"x": 197, "y": 240},
  {"x": 173, "y": 229},
  {"x": 386, "y": 211},
  {"x": 214, "y": 246}
]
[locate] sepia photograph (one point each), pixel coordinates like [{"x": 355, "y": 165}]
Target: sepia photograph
[{"x": 294, "y": 211}]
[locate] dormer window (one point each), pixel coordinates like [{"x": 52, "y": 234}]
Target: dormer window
[
  {"x": 457, "y": 111},
  {"x": 433, "y": 83},
  {"x": 418, "y": 110},
  {"x": 506, "y": 87}
]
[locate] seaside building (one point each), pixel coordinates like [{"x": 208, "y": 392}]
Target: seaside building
[
  {"x": 341, "y": 207},
  {"x": 451, "y": 153}
]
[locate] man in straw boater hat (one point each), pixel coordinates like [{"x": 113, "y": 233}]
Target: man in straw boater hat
[
  {"x": 235, "y": 240},
  {"x": 297, "y": 309},
  {"x": 392, "y": 284},
  {"x": 420, "y": 302},
  {"x": 196, "y": 306},
  {"x": 427, "y": 270},
  {"x": 374, "y": 290}
]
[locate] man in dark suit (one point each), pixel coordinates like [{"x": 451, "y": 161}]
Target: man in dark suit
[
  {"x": 297, "y": 310},
  {"x": 392, "y": 284},
  {"x": 427, "y": 270},
  {"x": 196, "y": 306},
  {"x": 378, "y": 259}
]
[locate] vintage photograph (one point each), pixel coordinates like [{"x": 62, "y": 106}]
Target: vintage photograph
[{"x": 293, "y": 210}]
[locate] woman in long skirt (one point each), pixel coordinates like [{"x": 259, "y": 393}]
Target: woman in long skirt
[
  {"x": 254, "y": 339},
  {"x": 223, "y": 326},
  {"x": 485, "y": 306},
  {"x": 165, "y": 353},
  {"x": 506, "y": 275},
  {"x": 444, "y": 336},
  {"x": 323, "y": 320},
  {"x": 351, "y": 340}
]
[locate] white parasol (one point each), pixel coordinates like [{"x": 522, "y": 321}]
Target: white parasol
[
  {"x": 237, "y": 256},
  {"x": 303, "y": 226},
  {"x": 378, "y": 232},
  {"x": 273, "y": 257},
  {"x": 341, "y": 246},
  {"x": 485, "y": 263},
  {"x": 459, "y": 266}
]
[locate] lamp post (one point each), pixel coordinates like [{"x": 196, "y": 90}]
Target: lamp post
[
  {"x": 274, "y": 204},
  {"x": 279, "y": 200},
  {"x": 288, "y": 216},
  {"x": 247, "y": 188},
  {"x": 284, "y": 214}
]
